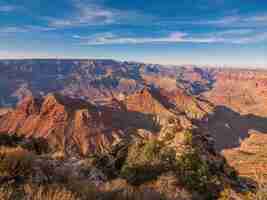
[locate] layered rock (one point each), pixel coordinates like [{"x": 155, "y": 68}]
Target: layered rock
[
  {"x": 250, "y": 158},
  {"x": 65, "y": 122},
  {"x": 242, "y": 90},
  {"x": 193, "y": 107},
  {"x": 74, "y": 125}
]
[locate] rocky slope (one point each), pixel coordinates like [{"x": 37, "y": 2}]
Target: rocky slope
[
  {"x": 250, "y": 158},
  {"x": 76, "y": 125},
  {"x": 181, "y": 164},
  {"x": 242, "y": 90},
  {"x": 65, "y": 122}
]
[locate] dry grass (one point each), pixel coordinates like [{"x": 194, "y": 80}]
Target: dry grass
[
  {"x": 6, "y": 193},
  {"x": 31, "y": 191},
  {"x": 15, "y": 162},
  {"x": 83, "y": 189},
  {"x": 53, "y": 192}
]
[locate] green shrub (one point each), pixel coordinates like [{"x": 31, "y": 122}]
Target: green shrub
[
  {"x": 36, "y": 145},
  {"x": 151, "y": 150},
  {"x": 137, "y": 175},
  {"x": 188, "y": 137},
  {"x": 9, "y": 140},
  {"x": 146, "y": 161},
  {"x": 193, "y": 171}
]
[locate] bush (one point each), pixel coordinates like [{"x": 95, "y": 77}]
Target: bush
[
  {"x": 37, "y": 145},
  {"x": 193, "y": 171},
  {"x": 146, "y": 161},
  {"x": 188, "y": 137},
  {"x": 151, "y": 150},
  {"x": 9, "y": 140},
  {"x": 137, "y": 175}
]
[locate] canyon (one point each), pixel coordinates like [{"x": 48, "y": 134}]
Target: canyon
[{"x": 84, "y": 107}]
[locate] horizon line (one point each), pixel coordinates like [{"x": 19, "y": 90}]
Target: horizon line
[{"x": 245, "y": 66}]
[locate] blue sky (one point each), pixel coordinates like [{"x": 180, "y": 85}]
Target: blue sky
[{"x": 222, "y": 32}]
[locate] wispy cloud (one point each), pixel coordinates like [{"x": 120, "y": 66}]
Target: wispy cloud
[
  {"x": 12, "y": 29},
  {"x": 92, "y": 13},
  {"x": 85, "y": 15},
  {"x": 24, "y": 29},
  {"x": 252, "y": 21},
  {"x": 241, "y": 21},
  {"x": 242, "y": 36},
  {"x": 110, "y": 38},
  {"x": 258, "y": 37},
  {"x": 7, "y": 8}
]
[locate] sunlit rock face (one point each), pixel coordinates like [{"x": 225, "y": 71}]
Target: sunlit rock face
[{"x": 76, "y": 125}]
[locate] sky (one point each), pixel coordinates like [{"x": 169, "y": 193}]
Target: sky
[{"x": 203, "y": 32}]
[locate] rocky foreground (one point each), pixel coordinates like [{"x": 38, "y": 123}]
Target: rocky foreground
[{"x": 150, "y": 141}]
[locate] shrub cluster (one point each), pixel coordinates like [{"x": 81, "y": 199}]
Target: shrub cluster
[
  {"x": 146, "y": 161},
  {"x": 193, "y": 172},
  {"x": 9, "y": 140},
  {"x": 36, "y": 145}
]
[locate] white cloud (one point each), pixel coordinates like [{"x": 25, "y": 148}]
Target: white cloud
[
  {"x": 85, "y": 16},
  {"x": 244, "y": 21},
  {"x": 235, "y": 36},
  {"x": 110, "y": 38},
  {"x": 91, "y": 13},
  {"x": 84, "y": 13}
]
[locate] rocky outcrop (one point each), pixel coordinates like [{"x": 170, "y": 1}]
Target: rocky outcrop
[
  {"x": 74, "y": 125},
  {"x": 242, "y": 90},
  {"x": 192, "y": 107},
  {"x": 67, "y": 123},
  {"x": 250, "y": 158}
]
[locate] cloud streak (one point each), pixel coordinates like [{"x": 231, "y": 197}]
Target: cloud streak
[
  {"x": 109, "y": 38},
  {"x": 24, "y": 29},
  {"x": 7, "y": 8},
  {"x": 93, "y": 14},
  {"x": 253, "y": 21},
  {"x": 242, "y": 36}
]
